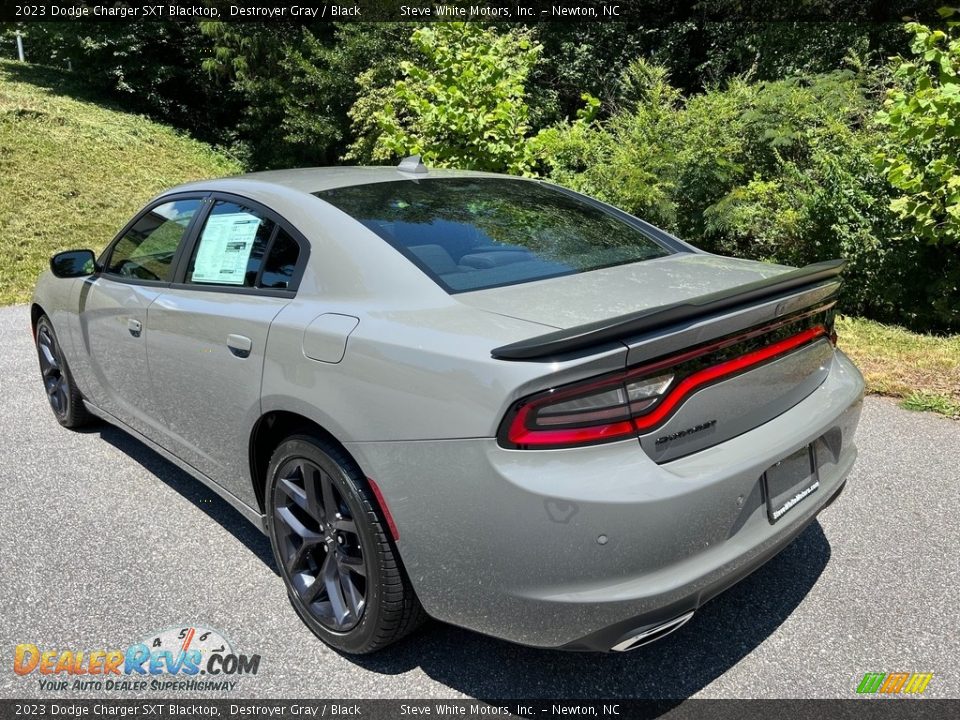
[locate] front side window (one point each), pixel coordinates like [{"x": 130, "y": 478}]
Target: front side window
[
  {"x": 476, "y": 233},
  {"x": 241, "y": 247},
  {"x": 145, "y": 252}
]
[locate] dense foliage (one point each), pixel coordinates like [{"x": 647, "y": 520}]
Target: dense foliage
[
  {"x": 782, "y": 171},
  {"x": 296, "y": 83},
  {"x": 920, "y": 158}
]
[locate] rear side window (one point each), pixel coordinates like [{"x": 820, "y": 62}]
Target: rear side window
[
  {"x": 281, "y": 262},
  {"x": 475, "y": 233},
  {"x": 145, "y": 252},
  {"x": 241, "y": 247}
]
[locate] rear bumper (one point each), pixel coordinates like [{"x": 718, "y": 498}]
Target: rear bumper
[
  {"x": 576, "y": 548},
  {"x": 619, "y": 633}
]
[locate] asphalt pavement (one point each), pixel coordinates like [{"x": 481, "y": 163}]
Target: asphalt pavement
[{"x": 104, "y": 542}]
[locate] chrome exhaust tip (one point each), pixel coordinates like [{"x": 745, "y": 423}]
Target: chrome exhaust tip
[{"x": 652, "y": 634}]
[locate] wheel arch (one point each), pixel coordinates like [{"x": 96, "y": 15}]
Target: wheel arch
[
  {"x": 269, "y": 431},
  {"x": 36, "y": 310}
]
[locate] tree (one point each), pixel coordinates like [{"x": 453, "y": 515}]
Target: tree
[{"x": 297, "y": 83}]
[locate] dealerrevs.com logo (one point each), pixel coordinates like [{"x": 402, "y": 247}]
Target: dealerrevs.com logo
[{"x": 185, "y": 658}]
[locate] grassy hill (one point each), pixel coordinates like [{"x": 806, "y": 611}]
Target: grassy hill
[{"x": 73, "y": 170}]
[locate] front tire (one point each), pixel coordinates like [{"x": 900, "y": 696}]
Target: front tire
[
  {"x": 65, "y": 399},
  {"x": 342, "y": 574}
]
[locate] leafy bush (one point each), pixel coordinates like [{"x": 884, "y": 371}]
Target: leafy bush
[
  {"x": 630, "y": 160},
  {"x": 460, "y": 103},
  {"x": 922, "y": 156}
]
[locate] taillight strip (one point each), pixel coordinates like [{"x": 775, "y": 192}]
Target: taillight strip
[
  {"x": 715, "y": 372},
  {"x": 519, "y": 434}
]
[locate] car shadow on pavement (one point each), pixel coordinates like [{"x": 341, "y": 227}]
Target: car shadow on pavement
[
  {"x": 722, "y": 632},
  {"x": 193, "y": 490}
]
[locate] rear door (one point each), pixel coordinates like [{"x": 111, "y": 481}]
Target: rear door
[
  {"x": 208, "y": 333},
  {"x": 137, "y": 266}
]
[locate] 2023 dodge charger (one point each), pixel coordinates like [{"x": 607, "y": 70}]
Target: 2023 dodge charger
[{"x": 485, "y": 399}]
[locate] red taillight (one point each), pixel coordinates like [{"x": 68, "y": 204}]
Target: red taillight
[{"x": 626, "y": 403}]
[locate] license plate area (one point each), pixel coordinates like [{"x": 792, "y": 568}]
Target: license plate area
[{"x": 791, "y": 481}]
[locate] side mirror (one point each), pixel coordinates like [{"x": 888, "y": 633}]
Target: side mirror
[{"x": 73, "y": 263}]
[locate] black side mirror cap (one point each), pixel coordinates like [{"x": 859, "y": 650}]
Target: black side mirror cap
[{"x": 73, "y": 263}]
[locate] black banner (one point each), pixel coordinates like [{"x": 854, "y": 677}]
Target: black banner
[
  {"x": 872, "y": 709},
  {"x": 529, "y": 11}
]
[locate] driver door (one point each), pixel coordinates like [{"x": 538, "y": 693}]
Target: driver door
[{"x": 137, "y": 268}]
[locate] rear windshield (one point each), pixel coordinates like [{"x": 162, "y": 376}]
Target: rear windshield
[{"x": 476, "y": 233}]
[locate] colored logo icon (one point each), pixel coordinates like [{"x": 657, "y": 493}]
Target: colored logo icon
[{"x": 894, "y": 683}]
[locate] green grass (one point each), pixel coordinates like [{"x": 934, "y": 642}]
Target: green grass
[
  {"x": 73, "y": 170},
  {"x": 932, "y": 402},
  {"x": 923, "y": 370}
]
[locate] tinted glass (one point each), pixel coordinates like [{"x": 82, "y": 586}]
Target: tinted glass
[
  {"x": 231, "y": 246},
  {"x": 281, "y": 263},
  {"x": 475, "y": 233},
  {"x": 146, "y": 251}
]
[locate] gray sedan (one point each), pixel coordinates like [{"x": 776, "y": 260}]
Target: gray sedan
[{"x": 480, "y": 398}]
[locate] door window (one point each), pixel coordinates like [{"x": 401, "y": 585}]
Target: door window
[
  {"x": 146, "y": 251},
  {"x": 232, "y": 247}
]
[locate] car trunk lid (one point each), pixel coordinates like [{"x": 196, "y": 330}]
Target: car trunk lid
[{"x": 573, "y": 300}]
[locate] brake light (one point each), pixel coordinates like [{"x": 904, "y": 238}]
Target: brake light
[{"x": 626, "y": 403}]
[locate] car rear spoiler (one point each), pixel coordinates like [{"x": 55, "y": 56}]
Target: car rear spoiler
[{"x": 583, "y": 336}]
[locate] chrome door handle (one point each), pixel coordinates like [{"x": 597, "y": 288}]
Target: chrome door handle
[
  {"x": 240, "y": 345},
  {"x": 134, "y": 327}
]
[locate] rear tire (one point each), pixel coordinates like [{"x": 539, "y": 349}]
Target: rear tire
[
  {"x": 65, "y": 399},
  {"x": 341, "y": 571}
]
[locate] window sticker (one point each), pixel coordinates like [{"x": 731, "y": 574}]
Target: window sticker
[{"x": 225, "y": 248}]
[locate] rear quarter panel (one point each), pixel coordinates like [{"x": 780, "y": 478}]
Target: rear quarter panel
[{"x": 409, "y": 374}]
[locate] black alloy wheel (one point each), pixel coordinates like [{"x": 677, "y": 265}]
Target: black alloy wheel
[
  {"x": 331, "y": 543},
  {"x": 319, "y": 544},
  {"x": 65, "y": 399}
]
